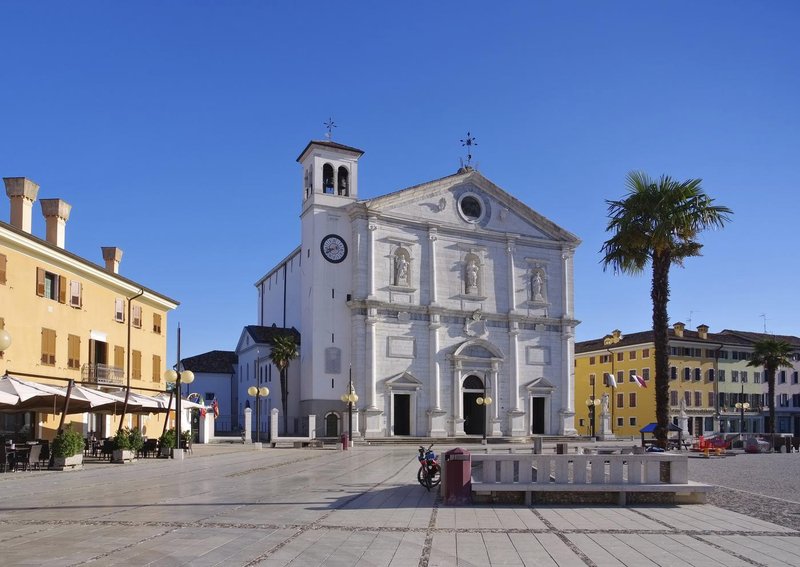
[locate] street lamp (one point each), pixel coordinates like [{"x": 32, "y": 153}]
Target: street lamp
[
  {"x": 742, "y": 405},
  {"x": 5, "y": 341},
  {"x": 178, "y": 377},
  {"x": 350, "y": 398},
  {"x": 484, "y": 401},
  {"x": 592, "y": 404},
  {"x": 258, "y": 393}
]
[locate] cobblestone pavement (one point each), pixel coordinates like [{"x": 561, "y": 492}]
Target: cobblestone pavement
[{"x": 232, "y": 505}]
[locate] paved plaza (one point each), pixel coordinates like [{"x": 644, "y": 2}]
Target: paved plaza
[{"x": 232, "y": 505}]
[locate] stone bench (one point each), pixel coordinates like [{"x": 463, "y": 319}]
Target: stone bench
[
  {"x": 577, "y": 476},
  {"x": 296, "y": 442}
]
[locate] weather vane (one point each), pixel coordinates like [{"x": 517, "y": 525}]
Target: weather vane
[
  {"x": 330, "y": 125},
  {"x": 468, "y": 142}
]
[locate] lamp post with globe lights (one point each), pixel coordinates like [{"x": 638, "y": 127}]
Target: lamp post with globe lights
[
  {"x": 5, "y": 341},
  {"x": 484, "y": 401},
  {"x": 350, "y": 398},
  {"x": 258, "y": 393},
  {"x": 742, "y": 405},
  {"x": 178, "y": 377}
]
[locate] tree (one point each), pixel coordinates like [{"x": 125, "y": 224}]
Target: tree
[
  {"x": 658, "y": 222},
  {"x": 284, "y": 350},
  {"x": 771, "y": 354}
]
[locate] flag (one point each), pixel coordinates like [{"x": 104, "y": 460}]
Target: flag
[
  {"x": 611, "y": 380},
  {"x": 640, "y": 381},
  {"x": 215, "y": 405}
]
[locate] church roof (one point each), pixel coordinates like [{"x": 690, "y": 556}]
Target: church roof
[
  {"x": 474, "y": 177},
  {"x": 267, "y": 334},
  {"x": 212, "y": 362},
  {"x": 331, "y": 145}
]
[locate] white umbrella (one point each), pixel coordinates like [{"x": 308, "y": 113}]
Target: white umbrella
[
  {"x": 185, "y": 404},
  {"x": 100, "y": 401},
  {"x": 34, "y": 396}
]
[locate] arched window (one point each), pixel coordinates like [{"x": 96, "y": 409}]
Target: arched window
[
  {"x": 343, "y": 183},
  {"x": 327, "y": 178}
]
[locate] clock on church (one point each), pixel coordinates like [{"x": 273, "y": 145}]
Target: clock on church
[{"x": 334, "y": 248}]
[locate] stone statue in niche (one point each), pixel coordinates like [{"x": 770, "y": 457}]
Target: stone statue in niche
[
  {"x": 471, "y": 277},
  {"x": 400, "y": 270},
  {"x": 537, "y": 286}
]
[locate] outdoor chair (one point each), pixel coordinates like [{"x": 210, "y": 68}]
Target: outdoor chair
[
  {"x": 108, "y": 449},
  {"x": 150, "y": 448},
  {"x": 31, "y": 459},
  {"x": 6, "y": 458},
  {"x": 44, "y": 456}
]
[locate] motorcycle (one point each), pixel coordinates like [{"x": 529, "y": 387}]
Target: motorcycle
[{"x": 429, "y": 473}]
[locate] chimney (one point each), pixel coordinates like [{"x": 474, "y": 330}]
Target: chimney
[
  {"x": 702, "y": 331},
  {"x": 22, "y": 193},
  {"x": 56, "y": 215},
  {"x": 679, "y": 327},
  {"x": 112, "y": 255}
]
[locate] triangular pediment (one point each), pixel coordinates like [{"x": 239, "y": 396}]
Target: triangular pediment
[
  {"x": 440, "y": 202},
  {"x": 403, "y": 381},
  {"x": 539, "y": 385}
]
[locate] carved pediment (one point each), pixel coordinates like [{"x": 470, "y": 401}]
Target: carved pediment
[
  {"x": 540, "y": 385},
  {"x": 403, "y": 381}
]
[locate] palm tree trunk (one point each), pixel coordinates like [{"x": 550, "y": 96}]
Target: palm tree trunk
[
  {"x": 771, "y": 394},
  {"x": 285, "y": 400},
  {"x": 660, "y": 296}
]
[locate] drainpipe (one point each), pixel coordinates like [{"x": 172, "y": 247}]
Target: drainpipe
[{"x": 128, "y": 363}]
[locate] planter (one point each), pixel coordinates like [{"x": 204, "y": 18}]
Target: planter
[
  {"x": 74, "y": 462},
  {"x": 123, "y": 455}
]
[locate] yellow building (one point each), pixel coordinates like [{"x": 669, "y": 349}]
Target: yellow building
[
  {"x": 694, "y": 360},
  {"x": 70, "y": 318}
]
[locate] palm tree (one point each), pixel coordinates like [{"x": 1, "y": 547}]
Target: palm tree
[
  {"x": 658, "y": 222},
  {"x": 771, "y": 354},
  {"x": 284, "y": 350}
]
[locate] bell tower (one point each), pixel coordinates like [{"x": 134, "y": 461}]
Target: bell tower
[{"x": 328, "y": 251}]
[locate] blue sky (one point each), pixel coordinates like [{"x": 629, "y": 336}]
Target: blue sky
[{"x": 173, "y": 127}]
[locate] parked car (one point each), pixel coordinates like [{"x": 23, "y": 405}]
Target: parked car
[{"x": 756, "y": 445}]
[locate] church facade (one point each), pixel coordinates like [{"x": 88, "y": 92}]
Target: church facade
[{"x": 448, "y": 305}]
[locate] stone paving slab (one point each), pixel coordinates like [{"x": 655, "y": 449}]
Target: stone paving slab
[{"x": 236, "y": 506}]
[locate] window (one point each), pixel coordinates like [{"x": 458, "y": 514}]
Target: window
[
  {"x": 783, "y": 400},
  {"x": 620, "y": 377},
  {"x": 591, "y": 379},
  {"x": 687, "y": 398},
  {"x": 782, "y": 377},
  {"x": 75, "y": 294},
  {"x": 620, "y": 400},
  {"x": 632, "y": 400},
  {"x": 3, "y": 261},
  {"x": 157, "y": 323},
  {"x": 605, "y": 358},
  {"x": 721, "y": 377},
  {"x": 470, "y": 208},
  {"x": 744, "y": 376},
  {"x": 673, "y": 398},
  {"x": 794, "y": 377},
  {"x": 698, "y": 374},
  {"x": 136, "y": 316},
  {"x": 645, "y": 353},
  {"x": 796, "y": 400},
  {"x": 50, "y": 285},
  {"x": 711, "y": 400},
  {"x": 48, "y": 347},
  {"x": 632, "y": 421},
  {"x": 136, "y": 365},
  {"x": 210, "y": 396},
  {"x": 710, "y": 374},
  {"x": 632, "y": 375},
  {"x": 591, "y": 360},
  {"x": 632, "y": 355},
  {"x": 673, "y": 373},
  {"x": 698, "y": 399},
  {"x": 156, "y": 368},
  {"x": 73, "y": 351},
  {"x": 734, "y": 375},
  {"x": 620, "y": 422},
  {"x": 722, "y": 399},
  {"x": 646, "y": 373},
  {"x": 756, "y": 377},
  {"x": 620, "y": 356},
  {"x": 119, "y": 310},
  {"x": 687, "y": 373}
]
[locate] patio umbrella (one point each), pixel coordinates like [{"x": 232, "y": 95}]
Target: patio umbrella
[
  {"x": 8, "y": 401},
  {"x": 100, "y": 401},
  {"x": 34, "y": 396},
  {"x": 185, "y": 403},
  {"x": 142, "y": 403}
]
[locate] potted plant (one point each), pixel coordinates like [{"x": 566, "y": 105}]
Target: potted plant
[
  {"x": 68, "y": 449},
  {"x": 167, "y": 443},
  {"x": 127, "y": 443}
]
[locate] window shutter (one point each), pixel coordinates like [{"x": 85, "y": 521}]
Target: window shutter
[
  {"x": 156, "y": 368},
  {"x": 40, "y": 282},
  {"x": 119, "y": 357},
  {"x": 62, "y": 289},
  {"x": 2, "y": 269}
]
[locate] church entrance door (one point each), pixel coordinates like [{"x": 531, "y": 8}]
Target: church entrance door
[
  {"x": 402, "y": 414},
  {"x": 474, "y": 414},
  {"x": 537, "y": 416},
  {"x": 332, "y": 425}
]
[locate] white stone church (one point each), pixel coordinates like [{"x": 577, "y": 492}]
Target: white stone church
[{"x": 430, "y": 299}]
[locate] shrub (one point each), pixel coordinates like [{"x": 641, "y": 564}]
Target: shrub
[
  {"x": 168, "y": 439},
  {"x": 122, "y": 440},
  {"x": 67, "y": 443},
  {"x": 137, "y": 441}
]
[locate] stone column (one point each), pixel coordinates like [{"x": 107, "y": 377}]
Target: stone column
[
  {"x": 436, "y": 415},
  {"x": 372, "y": 226},
  {"x": 432, "y": 237},
  {"x": 516, "y": 415},
  {"x": 495, "y": 431},
  {"x": 372, "y": 412},
  {"x": 458, "y": 410},
  {"x": 512, "y": 303}
]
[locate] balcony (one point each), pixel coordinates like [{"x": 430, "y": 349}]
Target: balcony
[{"x": 103, "y": 374}]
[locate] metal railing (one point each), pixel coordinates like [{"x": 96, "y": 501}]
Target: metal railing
[{"x": 103, "y": 374}]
